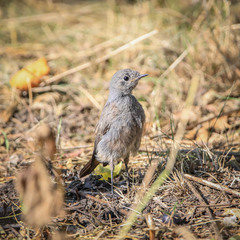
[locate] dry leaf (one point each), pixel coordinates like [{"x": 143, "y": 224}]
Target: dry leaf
[
  {"x": 30, "y": 75},
  {"x": 202, "y": 135},
  {"x": 147, "y": 128},
  {"x": 216, "y": 139},
  {"x": 209, "y": 97},
  {"x": 74, "y": 153},
  {"x": 46, "y": 139},
  {"x": 191, "y": 134},
  {"x": 212, "y": 108},
  {"x": 8, "y": 112},
  {"x": 185, "y": 233},
  {"x": 41, "y": 198},
  {"x": 236, "y": 114},
  {"x": 191, "y": 114},
  {"x": 220, "y": 124},
  {"x": 232, "y": 211}
]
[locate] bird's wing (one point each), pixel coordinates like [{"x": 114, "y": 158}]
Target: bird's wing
[
  {"x": 140, "y": 125},
  {"x": 110, "y": 111}
]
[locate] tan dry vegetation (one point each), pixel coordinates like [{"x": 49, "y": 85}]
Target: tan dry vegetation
[{"x": 85, "y": 42}]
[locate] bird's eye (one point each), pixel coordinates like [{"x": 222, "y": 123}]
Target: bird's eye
[{"x": 126, "y": 78}]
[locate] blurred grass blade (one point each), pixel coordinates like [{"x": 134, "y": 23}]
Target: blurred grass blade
[
  {"x": 6, "y": 141},
  {"x": 58, "y": 133}
]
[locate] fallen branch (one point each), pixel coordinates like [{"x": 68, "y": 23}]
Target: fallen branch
[
  {"x": 212, "y": 185},
  {"x": 186, "y": 151}
]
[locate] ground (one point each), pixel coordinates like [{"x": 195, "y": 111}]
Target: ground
[{"x": 47, "y": 132}]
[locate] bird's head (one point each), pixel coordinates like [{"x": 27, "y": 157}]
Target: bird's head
[{"x": 124, "y": 81}]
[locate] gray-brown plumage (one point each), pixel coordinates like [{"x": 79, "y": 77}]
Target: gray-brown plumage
[{"x": 120, "y": 127}]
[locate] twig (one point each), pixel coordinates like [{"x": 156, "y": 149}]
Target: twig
[
  {"x": 46, "y": 17},
  {"x": 97, "y": 48},
  {"x": 68, "y": 72},
  {"x": 9, "y": 226},
  {"x": 202, "y": 15},
  {"x": 100, "y": 201},
  {"x": 101, "y": 59},
  {"x": 151, "y": 226},
  {"x": 76, "y": 147},
  {"x": 225, "y": 205},
  {"x": 99, "y": 235},
  {"x": 204, "y": 202},
  {"x": 212, "y": 185},
  {"x": 146, "y": 182},
  {"x": 52, "y": 88},
  {"x": 186, "y": 151},
  {"x": 232, "y": 27},
  {"x": 90, "y": 97},
  {"x": 176, "y": 62},
  {"x": 68, "y": 88},
  {"x": 25, "y": 19}
]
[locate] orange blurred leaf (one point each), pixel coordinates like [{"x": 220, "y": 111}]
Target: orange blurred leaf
[
  {"x": 30, "y": 75},
  {"x": 216, "y": 139},
  {"x": 220, "y": 124},
  {"x": 191, "y": 134},
  {"x": 202, "y": 135}
]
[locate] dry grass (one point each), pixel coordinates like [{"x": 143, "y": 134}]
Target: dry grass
[{"x": 85, "y": 43}]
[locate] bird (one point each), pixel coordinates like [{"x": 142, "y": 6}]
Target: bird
[{"x": 120, "y": 127}]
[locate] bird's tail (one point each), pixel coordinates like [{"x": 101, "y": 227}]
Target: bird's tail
[{"x": 89, "y": 167}]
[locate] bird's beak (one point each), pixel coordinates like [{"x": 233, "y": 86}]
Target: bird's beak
[{"x": 139, "y": 77}]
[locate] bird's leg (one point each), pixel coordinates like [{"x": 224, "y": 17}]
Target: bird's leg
[
  {"x": 112, "y": 169},
  {"x": 126, "y": 160}
]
